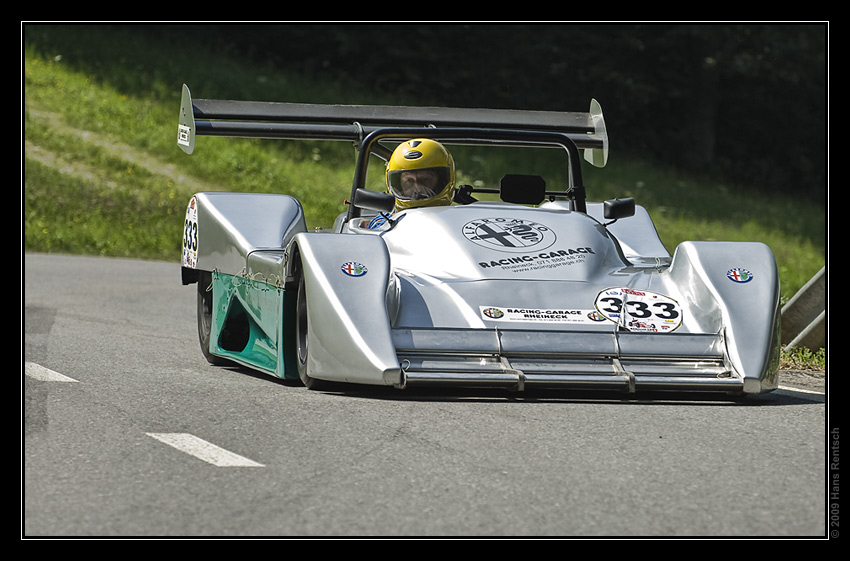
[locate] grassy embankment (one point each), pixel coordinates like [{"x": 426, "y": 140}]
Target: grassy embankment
[{"x": 103, "y": 175}]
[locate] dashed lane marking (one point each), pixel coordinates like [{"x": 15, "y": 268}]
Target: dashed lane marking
[
  {"x": 38, "y": 372},
  {"x": 186, "y": 443},
  {"x": 203, "y": 450}
]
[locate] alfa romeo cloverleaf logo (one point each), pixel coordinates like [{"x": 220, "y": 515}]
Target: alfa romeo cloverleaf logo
[{"x": 509, "y": 234}]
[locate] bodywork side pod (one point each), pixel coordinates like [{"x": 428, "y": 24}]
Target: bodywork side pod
[
  {"x": 231, "y": 232},
  {"x": 740, "y": 282},
  {"x": 241, "y": 239},
  {"x": 347, "y": 280}
]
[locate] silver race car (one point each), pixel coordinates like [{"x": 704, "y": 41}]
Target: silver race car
[{"x": 537, "y": 289}]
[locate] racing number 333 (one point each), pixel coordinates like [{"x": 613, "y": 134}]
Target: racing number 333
[
  {"x": 640, "y": 310},
  {"x": 190, "y": 235}
]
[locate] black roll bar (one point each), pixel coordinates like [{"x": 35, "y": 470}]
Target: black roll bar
[
  {"x": 474, "y": 137},
  {"x": 365, "y": 125}
]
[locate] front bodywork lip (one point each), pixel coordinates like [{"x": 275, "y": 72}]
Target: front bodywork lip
[{"x": 521, "y": 359}]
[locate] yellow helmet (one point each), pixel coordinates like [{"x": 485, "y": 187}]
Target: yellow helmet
[{"x": 421, "y": 172}]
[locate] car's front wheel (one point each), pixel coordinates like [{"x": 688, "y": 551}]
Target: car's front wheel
[
  {"x": 205, "y": 303},
  {"x": 302, "y": 324}
]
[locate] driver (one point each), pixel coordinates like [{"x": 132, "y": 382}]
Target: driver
[{"x": 421, "y": 172}]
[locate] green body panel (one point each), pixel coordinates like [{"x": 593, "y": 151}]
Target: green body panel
[{"x": 248, "y": 324}]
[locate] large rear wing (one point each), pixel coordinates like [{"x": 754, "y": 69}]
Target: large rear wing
[{"x": 307, "y": 121}]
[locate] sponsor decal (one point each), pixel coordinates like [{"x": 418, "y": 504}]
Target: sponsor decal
[
  {"x": 183, "y": 134},
  {"x": 353, "y": 269},
  {"x": 512, "y": 235},
  {"x": 554, "y": 255},
  {"x": 596, "y": 316},
  {"x": 542, "y": 260},
  {"x": 493, "y": 313},
  {"x": 739, "y": 275},
  {"x": 638, "y": 310},
  {"x": 538, "y": 315},
  {"x": 190, "y": 235}
]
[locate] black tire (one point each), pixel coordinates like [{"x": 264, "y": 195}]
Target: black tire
[
  {"x": 301, "y": 340},
  {"x": 205, "y": 300}
]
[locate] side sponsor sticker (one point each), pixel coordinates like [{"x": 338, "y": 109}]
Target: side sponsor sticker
[
  {"x": 539, "y": 315},
  {"x": 639, "y": 310},
  {"x": 183, "y": 135}
]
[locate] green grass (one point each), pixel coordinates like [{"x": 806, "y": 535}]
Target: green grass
[
  {"x": 804, "y": 359},
  {"x": 103, "y": 174}
]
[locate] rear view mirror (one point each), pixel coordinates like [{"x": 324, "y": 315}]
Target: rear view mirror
[
  {"x": 523, "y": 189},
  {"x": 619, "y": 208},
  {"x": 374, "y": 200}
]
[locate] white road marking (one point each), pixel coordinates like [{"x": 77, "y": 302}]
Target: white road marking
[
  {"x": 203, "y": 450},
  {"x": 38, "y": 372},
  {"x": 799, "y": 390}
]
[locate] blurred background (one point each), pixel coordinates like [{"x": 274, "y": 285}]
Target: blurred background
[{"x": 748, "y": 100}]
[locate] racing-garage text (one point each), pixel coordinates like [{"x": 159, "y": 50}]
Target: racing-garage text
[{"x": 530, "y": 258}]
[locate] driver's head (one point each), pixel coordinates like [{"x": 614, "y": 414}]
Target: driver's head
[{"x": 421, "y": 172}]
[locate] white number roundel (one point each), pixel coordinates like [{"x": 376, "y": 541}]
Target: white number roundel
[{"x": 639, "y": 310}]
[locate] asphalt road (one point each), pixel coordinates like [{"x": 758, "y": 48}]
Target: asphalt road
[{"x": 127, "y": 431}]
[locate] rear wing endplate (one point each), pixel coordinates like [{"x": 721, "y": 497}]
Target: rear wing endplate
[{"x": 308, "y": 121}]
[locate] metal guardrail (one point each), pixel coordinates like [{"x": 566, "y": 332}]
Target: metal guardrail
[{"x": 804, "y": 316}]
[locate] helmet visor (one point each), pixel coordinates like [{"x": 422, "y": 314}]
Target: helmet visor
[{"x": 418, "y": 184}]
